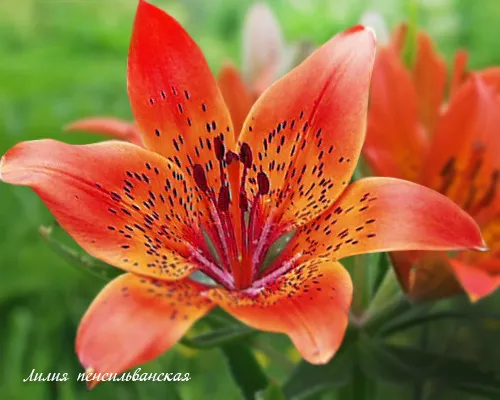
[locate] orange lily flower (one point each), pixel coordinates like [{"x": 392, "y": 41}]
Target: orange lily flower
[
  {"x": 264, "y": 59},
  {"x": 451, "y": 148},
  {"x": 148, "y": 210}
]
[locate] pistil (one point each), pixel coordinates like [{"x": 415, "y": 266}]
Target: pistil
[{"x": 240, "y": 234}]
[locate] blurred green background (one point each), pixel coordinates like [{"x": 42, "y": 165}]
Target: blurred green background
[{"x": 62, "y": 60}]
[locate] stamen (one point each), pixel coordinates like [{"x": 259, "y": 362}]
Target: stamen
[
  {"x": 231, "y": 157},
  {"x": 217, "y": 274},
  {"x": 264, "y": 235},
  {"x": 219, "y": 148},
  {"x": 263, "y": 182},
  {"x": 200, "y": 177},
  {"x": 223, "y": 200},
  {"x": 283, "y": 269},
  {"x": 246, "y": 155}
]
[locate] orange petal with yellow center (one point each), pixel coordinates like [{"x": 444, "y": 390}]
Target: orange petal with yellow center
[
  {"x": 123, "y": 204},
  {"x": 236, "y": 95},
  {"x": 387, "y": 214},
  {"x": 310, "y": 304},
  {"x": 395, "y": 142},
  {"x": 307, "y": 129},
  {"x": 134, "y": 320},
  {"x": 174, "y": 97},
  {"x": 463, "y": 161},
  {"x": 429, "y": 76},
  {"x": 108, "y": 126}
]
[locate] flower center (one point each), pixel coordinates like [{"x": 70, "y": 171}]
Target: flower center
[{"x": 241, "y": 228}]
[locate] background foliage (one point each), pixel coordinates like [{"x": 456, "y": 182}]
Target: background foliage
[{"x": 63, "y": 60}]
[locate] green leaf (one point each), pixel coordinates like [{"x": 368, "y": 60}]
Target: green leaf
[
  {"x": 411, "y": 365},
  {"x": 246, "y": 371},
  {"x": 308, "y": 380},
  {"x": 74, "y": 258},
  {"x": 411, "y": 321},
  {"x": 410, "y": 45},
  {"x": 219, "y": 337},
  {"x": 272, "y": 392}
]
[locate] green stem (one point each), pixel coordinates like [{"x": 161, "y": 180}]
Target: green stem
[
  {"x": 376, "y": 320},
  {"x": 360, "y": 282},
  {"x": 411, "y": 321},
  {"x": 386, "y": 293}
]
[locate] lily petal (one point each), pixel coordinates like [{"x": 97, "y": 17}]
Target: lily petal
[
  {"x": 174, "y": 97},
  {"x": 110, "y": 197},
  {"x": 395, "y": 143},
  {"x": 429, "y": 76},
  {"x": 491, "y": 76},
  {"x": 489, "y": 261},
  {"x": 307, "y": 129},
  {"x": 263, "y": 48},
  {"x": 112, "y": 127},
  {"x": 463, "y": 161},
  {"x": 134, "y": 320},
  {"x": 476, "y": 282},
  {"x": 310, "y": 304},
  {"x": 236, "y": 95},
  {"x": 460, "y": 73},
  {"x": 387, "y": 214},
  {"x": 398, "y": 38},
  {"x": 429, "y": 275}
]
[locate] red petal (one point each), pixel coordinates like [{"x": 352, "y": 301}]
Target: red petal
[
  {"x": 398, "y": 38},
  {"x": 386, "y": 214},
  {"x": 124, "y": 205},
  {"x": 134, "y": 320},
  {"x": 263, "y": 48},
  {"x": 236, "y": 95},
  {"x": 174, "y": 97},
  {"x": 395, "y": 144},
  {"x": 429, "y": 77},
  {"x": 309, "y": 304},
  {"x": 491, "y": 76},
  {"x": 476, "y": 282},
  {"x": 463, "y": 162},
  {"x": 108, "y": 126},
  {"x": 430, "y": 277},
  {"x": 459, "y": 74},
  {"x": 306, "y": 130}
]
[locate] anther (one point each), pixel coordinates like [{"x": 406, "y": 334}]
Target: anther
[
  {"x": 243, "y": 202},
  {"x": 219, "y": 148},
  {"x": 223, "y": 200},
  {"x": 231, "y": 156},
  {"x": 246, "y": 155},
  {"x": 263, "y": 182},
  {"x": 199, "y": 177}
]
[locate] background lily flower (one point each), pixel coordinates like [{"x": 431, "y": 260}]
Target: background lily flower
[
  {"x": 265, "y": 58},
  {"x": 452, "y": 148},
  {"x": 149, "y": 210}
]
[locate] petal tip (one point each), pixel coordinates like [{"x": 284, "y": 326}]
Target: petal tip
[
  {"x": 90, "y": 381},
  {"x": 360, "y": 28},
  {"x": 483, "y": 247},
  {"x": 372, "y": 31},
  {"x": 2, "y": 166}
]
